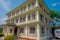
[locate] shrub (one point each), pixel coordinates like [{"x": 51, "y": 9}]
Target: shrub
[
  {"x": 1, "y": 34},
  {"x": 9, "y": 37}
]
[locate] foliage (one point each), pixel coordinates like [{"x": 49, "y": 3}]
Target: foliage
[
  {"x": 1, "y": 34},
  {"x": 9, "y": 37},
  {"x": 1, "y": 29},
  {"x": 54, "y": 14}
]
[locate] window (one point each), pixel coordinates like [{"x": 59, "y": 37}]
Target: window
[
  {"x": 46, "y": 20},
  {"x": 21, "y": 10},
  {"x": 10, "y": 30},
  {"x": 21, "y": 30},
  {"x": 16, "y": 20},
  {"x": 33, "y": 4},
  {"x": 41, "y": 17},
  {"x": 17, "y": 12},
  {"x": 29, "y": 17},
  {"x": 20, "y": 19},
  {"x": 24, "y": 19},
  {"x": 42, "y": 29},
  {"x": 33, "y": 16},
  {"x": 32, "y": 29},
  {"x": 24, "y": 8},
  {"x": 12, "y": 21},
  {"x": 29, "y": 6}
]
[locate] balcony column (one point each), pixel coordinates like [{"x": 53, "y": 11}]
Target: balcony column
[
  {"x": 26, "y": 25},
  {"x": 26, "y": 18},
  {"x": 27, "y": 8},
  {"x": 38, "y": 32},
  {"x": 18, "y": 20},
  {"x": 37, "y": 16},
  {"x": 26, "y": 32},
  {"x": 19, "y": 11},
  {"x": 18, "y": 33},
  {"x": 36, "y": 2},
  {"x": 14, "y": 20}
]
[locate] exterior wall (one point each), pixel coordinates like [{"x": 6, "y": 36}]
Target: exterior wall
[
  {"x": 46, "y": 35},
  {"x": 23, "y": 34},
  {"x": 6, "y": 30},
  {"x": 37, "y": 23},
  {"x": 31, "y": 34}
]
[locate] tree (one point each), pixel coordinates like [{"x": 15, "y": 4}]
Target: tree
[{"x": 55, "y": 16}]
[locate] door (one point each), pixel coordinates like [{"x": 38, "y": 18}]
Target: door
[{"x": 15, "y": 31}]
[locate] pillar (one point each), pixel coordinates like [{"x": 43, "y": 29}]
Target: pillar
[{"x": 38, "y": 32}]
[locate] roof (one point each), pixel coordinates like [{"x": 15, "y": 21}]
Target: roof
[{"x": 11, "y": 24}]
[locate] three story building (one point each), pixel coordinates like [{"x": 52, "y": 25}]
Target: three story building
[{"x": 29, "y": 21}]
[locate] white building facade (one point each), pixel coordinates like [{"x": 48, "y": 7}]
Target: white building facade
[{"x": 31, "y": 19}]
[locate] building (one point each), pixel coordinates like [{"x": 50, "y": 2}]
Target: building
[{"x": 29, "y": 21}]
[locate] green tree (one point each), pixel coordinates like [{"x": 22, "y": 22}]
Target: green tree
[{"x": 54, "y": 14}]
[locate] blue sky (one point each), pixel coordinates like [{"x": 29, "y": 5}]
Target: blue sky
[{"x": 8, "y": 5}]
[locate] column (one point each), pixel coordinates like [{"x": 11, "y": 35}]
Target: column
[
  {"x": 18, "y": 34},
  {"x": 26, "y": 18},
  {"x": 27, "y": 8},
  {"x": 26, "y": 32},
  {"x": 26, "y": 25},
  {"x": 38, "y": 32},
  {"x": 18, "y": 20},
  {"x": 19, "y": 11},
  {"x": 37, "y": 16},
  {"x": 36, "y": 2}
]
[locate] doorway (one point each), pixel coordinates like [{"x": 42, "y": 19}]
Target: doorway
[{"x": 15, "y": 31}]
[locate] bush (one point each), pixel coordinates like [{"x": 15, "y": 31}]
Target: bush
[
  {"x": 9, "y": 37},
  {"x": 1, "y": 34}
]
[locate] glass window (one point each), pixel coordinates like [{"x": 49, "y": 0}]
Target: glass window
[
  {"x": 46, "y": 20},
  {"x": 42, "y": 31},
  {"x": 33, "y": 16},
  {"x": 24, "y": 19},
  {"x": 42, "y": 28},
  {"x": 16, "y": 20},
  {"x": 10, "y": 30},
  {"x": 17, "y": 12},
  {"x": 32, "y": 29},
  {"x": 41, "y": 17},
  {"x": 33, "y": 4},
  {"x": 20, "y": 19},
  {"x": 29, "y": 17},
  {"x": 29, "y": 6},
  {"x": 21, "y": 30}
]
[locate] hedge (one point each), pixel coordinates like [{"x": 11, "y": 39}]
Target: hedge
[
  {"x": 9, "y": 37},
  {"x": 1, "y": 34}
]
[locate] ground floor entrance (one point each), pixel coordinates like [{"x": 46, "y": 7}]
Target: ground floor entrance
[{"x": 15, "y": 30}]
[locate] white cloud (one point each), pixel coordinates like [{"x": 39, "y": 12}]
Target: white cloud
[
  {"x": 2, "y": 21},
  {"x": 55, "y": 4},
  {"x": 5, "y": 4}
]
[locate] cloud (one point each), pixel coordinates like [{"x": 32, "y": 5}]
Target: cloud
[
  {"x": 5, "y": 4},
  {"x": 2, "y": 21},
  {"x": 55, "y": 4}
]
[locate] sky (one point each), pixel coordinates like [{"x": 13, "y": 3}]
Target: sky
[{"x": 8, "y": 5}]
